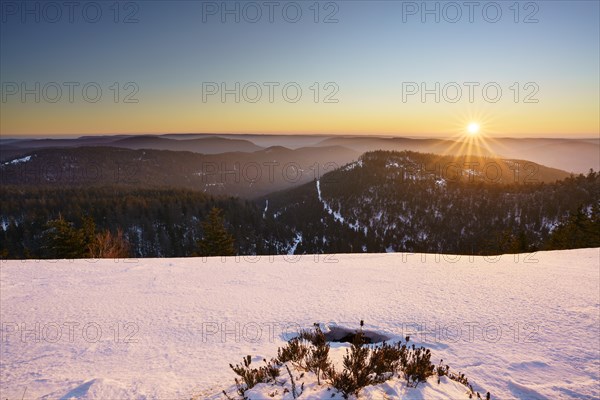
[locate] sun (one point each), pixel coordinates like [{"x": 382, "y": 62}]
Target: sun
[
  {"x": 473, "y": 128},
  {"x": 471, "y": 131}
]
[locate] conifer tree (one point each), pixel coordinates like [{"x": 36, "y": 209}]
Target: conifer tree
[
  {"x": 579, "y": 231},
  {"x": 216, "y": 240},
  {"x": 62, "y": 240}
]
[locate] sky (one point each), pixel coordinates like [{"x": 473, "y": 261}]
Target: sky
[{"x": 521, "y": 69}]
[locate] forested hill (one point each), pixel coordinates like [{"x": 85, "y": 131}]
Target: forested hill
[
  {"x": 406, "y": 201},
  {"x": 386, "y": 201},
  {"x": 240, "y": 174}
]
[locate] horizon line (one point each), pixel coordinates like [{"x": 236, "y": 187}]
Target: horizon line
[{"x": 374, "y": 135}]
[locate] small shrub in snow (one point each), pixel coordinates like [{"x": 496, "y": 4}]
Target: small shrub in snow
[
  {"x": 416, "y": 365},
  {"x": 309, "y": 336},
  {"x": 356, "y": 373},
  {"x": 344, "y": 383},
  {"x": 294, "y": 351},
  {"x": 250, "y": 377},
  {"x": 444, "y": 370},
  {"x": 309, "y": 352},
  {"x": 441, "y": 370},
  {"x": 317, "y": 358},
  {"x": 362, "y": 365},
  {"x": 385, "y": 361}
]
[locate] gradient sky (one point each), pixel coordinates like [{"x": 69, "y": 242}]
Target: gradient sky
[{"x": 368, "y": 54}]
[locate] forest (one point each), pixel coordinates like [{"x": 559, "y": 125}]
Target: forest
[{"x": 387, "y": 201}]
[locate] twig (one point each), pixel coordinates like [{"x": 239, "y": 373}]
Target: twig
[{"x": 294, "y": 394}]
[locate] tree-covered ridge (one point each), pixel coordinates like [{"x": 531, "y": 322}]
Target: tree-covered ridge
[
  {"x": 387, "y": 201},
  {"x": 245, "y": 175},
  {"x": 398, "y": 201}
]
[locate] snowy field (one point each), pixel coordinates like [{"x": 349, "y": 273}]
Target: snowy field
[{"x": 525, "y": 327}]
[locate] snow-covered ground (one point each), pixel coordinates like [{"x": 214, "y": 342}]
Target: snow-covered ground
[{"x": 525, "y": 327}]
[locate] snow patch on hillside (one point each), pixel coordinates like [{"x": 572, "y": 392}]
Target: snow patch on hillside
[
  {"x": 18, "y": 160},
  {"x": 337, "y": 216},
  {"x": 297, "y": 241},
  {"x": 352, "y": 165}
]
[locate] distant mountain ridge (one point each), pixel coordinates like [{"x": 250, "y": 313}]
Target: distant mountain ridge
[
  {"x": 243, "y": 174},
  {"x": 203, "y": 145},
  {"x": 571, "y": 155}
]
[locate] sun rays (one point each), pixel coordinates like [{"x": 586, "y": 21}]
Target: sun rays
[{"x": 472, "y": 135}]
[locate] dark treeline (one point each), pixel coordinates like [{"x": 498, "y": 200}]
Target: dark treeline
[{"x": 155, "y": 223}]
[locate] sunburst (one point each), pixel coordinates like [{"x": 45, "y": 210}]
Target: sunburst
[{"x": 471, "y": 135}]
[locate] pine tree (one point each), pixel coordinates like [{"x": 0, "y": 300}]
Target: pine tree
[
  {"x": 579, "y": 231},
  {"x": 216, "y": 240},
  {"x": 62, "y": 240},
  {"x": 88, "y": 234}
]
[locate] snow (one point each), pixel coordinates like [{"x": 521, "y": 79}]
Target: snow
[
  {"x": 550, "y": 224},
  {"x": 18, "y": 160},
  {"x": 389, "y": 390},
  {"x": 524, "y": 326},
  {"x": 319, "y": 191},
  {"x": 337, "y": 216},
  {"x": 353, "y": 165},
  {"x": 297, "y": 241}
]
